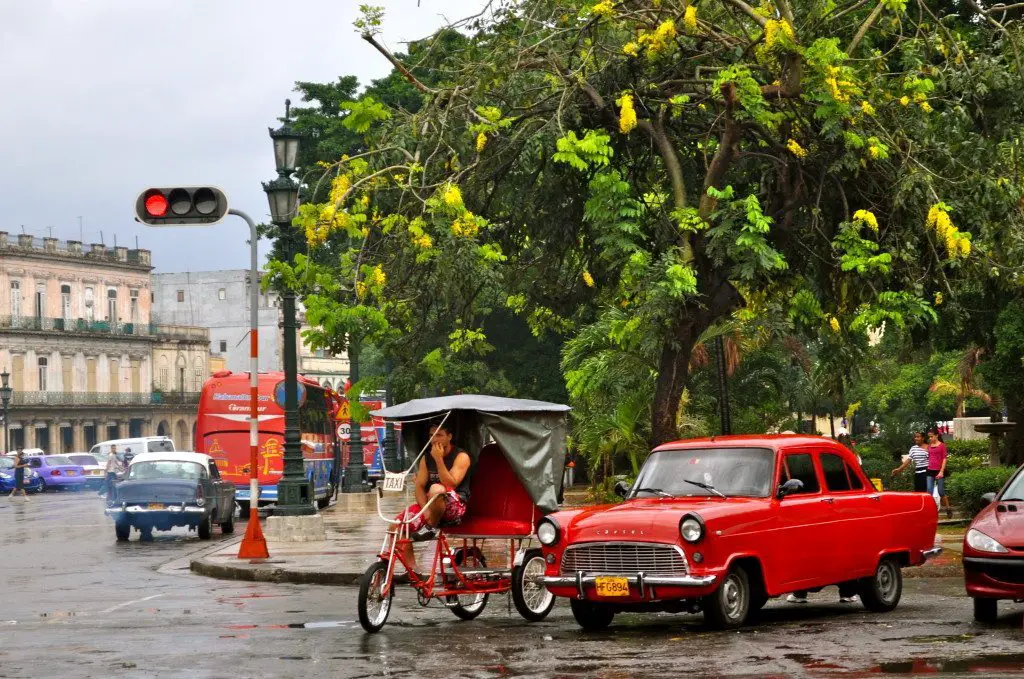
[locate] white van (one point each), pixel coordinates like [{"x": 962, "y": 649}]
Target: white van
[{"x": 129, "y": 448}]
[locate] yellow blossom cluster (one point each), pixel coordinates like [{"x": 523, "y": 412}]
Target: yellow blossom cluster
[
  {"x": 957, "y": 243},
  {"x": 833, "y": 323},
  {"x": 837, "y": 87},
  {"x": 627, "y": 114},
  {"x": 603, "y": 9},
  {"x": 926, "y": 107},
  {"x": 328, "y": 219},
  {"x": 867, "y": 217},
  {"x": 420, "y": 238},
  {"x": 904, "y": 100},
  {"x": 481, "y": 142},
  {"x": 659, "y": 40},
  {"x": 690, "y": 18},
  {"x": 588, "y": 279},
  {"x": 376, "y": 277},
  {"x": 796, "y": 149},
  {"x": 452, "y": 197},
  {"x": 465, "y": 225},
  {"x": 360, "y": 289},
  {"x": 866, "y": 108},
  {"x": 938, "y": 298},
  {"x": 631, "y": 49},
  {"x": 775, "y": 28},
  {"x": 339, "y": 187}
]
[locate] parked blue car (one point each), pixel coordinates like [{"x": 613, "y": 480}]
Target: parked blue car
[
  {"x": 57, "y": 471},
  {"x": 33, "y": 483}
]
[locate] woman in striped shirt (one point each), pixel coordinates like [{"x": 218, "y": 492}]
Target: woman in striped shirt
[{"x": 919, "y": 457}]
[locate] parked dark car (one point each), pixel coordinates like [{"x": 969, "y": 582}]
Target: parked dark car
[
  {"x": 994, "y": 550},
  {"x": 164, "y": 490}
]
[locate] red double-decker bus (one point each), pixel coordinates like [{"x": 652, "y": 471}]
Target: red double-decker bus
[{"x": 222, "y": 432}]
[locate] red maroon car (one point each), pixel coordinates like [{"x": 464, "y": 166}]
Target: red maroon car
[
  {"x": 723, "y": 524},
  {"x": 994, "y": 550}
]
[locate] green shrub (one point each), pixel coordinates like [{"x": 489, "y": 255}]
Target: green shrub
[
  {"x": 876, "y": 468},
  {"x": 966, "y": 488},
  {"x": 972, "y": 448}
]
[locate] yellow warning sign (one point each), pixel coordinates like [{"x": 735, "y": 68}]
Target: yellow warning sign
[{"x": 344, "y": 412}]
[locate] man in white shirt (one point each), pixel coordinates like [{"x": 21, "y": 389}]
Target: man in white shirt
[{"x": 113, "y": 466}]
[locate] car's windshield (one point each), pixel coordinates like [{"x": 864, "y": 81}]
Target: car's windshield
[
  {"x": 83, "y": 459},
  {"x": 165, "y": 469},
  {"x": 57, "y": 460},
  {"x": 6, "y": 463},
  {"x": 739, "y": 472},
  {"x": 1015, "y": 491},
  {"x": 164, "y": 446}
]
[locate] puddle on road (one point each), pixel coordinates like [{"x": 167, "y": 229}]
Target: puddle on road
[
  {"x": 317, "y": 624},
  {"x": 982, "y": 664}
]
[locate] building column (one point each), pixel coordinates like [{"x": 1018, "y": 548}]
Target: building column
[
  {"x": 148, "y": 428},
  {"x": 126, "y": 428},
  {"x": 56, "y": 444},
  {"x": 77, "y": 435},
  {"x": 28, "y": 429}
]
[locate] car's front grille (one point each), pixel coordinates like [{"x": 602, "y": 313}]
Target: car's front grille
[{"x": 624, "y": 557}]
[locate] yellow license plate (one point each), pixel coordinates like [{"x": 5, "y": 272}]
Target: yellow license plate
[
  {"x": 71, "y": 473},
  {"x": 610, "y": 586},
  {"x": 156, "y": 505}
]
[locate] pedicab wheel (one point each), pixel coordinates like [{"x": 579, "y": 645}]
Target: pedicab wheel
[
  {"x": 986, "y": 610},
  {"x": 881, "y": 592},
  {"x": 532, "y": 599},
  {"x": 374, "y": 607},
  {"x": 591, "y": 616},
  {"x": 470, "y": 605},
  {"x": 727, "y": 606}
]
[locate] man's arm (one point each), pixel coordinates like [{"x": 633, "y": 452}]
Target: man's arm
[
  {"x": 451, "y": 478},
  {"x": 421, "y": 483}
]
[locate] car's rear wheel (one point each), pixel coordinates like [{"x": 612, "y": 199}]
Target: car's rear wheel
[
  {"x": 727, "y": 607},
  {"x": 122, "y": 530},
  {"x": 228, "y": 527},
  {"x": 986, "y": 610},
  {"x": 591, "y": 616},
  {"x": 881, "y": 592},
  {"x": 42, "y": 485},
  {"x": 531, "y": 597},
  {"x": 205, "y": 529}
]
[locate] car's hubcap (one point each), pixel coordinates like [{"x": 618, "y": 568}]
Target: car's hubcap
[
  {"x": 886, "y": 579},
  {"x": 536, "y": 595},
  {"x": 377, "y": 603},
  {"x": 733, "y": 597}
]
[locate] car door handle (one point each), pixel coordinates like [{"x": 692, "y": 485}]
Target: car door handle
[
  {"x": 828, "y": 500},
  {"x": 876, "y": 498}
]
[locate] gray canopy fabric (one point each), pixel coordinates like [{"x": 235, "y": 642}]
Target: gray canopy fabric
[{"x": 531, "y": 434}]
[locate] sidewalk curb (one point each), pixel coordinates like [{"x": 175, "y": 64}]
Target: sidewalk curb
[{"x": 269, "y": 573}]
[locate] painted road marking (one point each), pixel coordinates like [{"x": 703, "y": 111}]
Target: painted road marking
[{"x": 128, "y": 603}]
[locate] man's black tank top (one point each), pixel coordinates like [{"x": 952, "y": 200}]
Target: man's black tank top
[{"x": 449, "y": 461}]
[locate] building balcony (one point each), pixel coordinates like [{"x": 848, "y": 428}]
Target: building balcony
[
  {"x": 87, "y": 399},
  {"x": 106, "y": 328}
]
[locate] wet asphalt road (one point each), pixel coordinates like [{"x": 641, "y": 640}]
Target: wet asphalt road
[{"x": 74, "y": 603}]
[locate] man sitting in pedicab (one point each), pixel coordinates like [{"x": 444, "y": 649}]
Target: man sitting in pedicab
[{"x": 443, "y": 473}]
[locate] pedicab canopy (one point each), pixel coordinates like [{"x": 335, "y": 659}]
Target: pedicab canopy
[{"x": 531, "y": 434}]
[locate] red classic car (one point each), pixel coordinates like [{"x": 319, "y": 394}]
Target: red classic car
[
  {"x": 725, "y": 523},
  {"x": 994, "y": 550}
]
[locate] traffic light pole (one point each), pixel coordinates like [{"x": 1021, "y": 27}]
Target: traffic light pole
[{"x": 254, "y": 545}]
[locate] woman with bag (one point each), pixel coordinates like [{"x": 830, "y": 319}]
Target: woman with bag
[{"x": 937, "y": 457}]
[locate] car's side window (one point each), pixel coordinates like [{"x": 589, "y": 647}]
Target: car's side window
[
  {"x": 800, "y": 466},
  {"x": 834, "y": 468},
  {"x": 855, "y": 481}
]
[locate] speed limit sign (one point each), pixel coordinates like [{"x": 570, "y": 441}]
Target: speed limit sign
[{"x": 344, "y": 431}]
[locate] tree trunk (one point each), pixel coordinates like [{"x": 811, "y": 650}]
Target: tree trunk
[
  {"x": 1013, "y": 452},
  {"x": 832, "y": 423}
]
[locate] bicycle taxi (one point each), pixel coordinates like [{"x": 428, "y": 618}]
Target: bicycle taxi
[{"x": 518, "y": 448}]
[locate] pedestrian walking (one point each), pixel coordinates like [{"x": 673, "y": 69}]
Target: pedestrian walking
[
  {"x": 20, "y": 465},
  {"x": 917, "y": 456},
  {"x": 113, "y": 465},
  {"x": 937, "y": 458}
]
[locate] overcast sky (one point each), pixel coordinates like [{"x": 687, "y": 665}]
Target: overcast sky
[{"x": 104, "y": 98}]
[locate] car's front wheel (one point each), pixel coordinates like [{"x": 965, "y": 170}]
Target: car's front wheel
[
  {"x": 591, "y": 616},
  {"x": 881, "y": 592},
  {"x": 205, "y": 529},
  {"x": 986, "y": 610},
  {"x": 727, "y": 606},
  {"x": 531, "y": 597},
  {"x": 228, "y": 527}
]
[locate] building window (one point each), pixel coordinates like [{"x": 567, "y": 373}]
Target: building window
[
  {"x": 223, "y": 346},
  {"x": 222, "y": 294},
  {"x": 16, "y": 299},
  {"x": 90, "y": 308},
  {"x": 133, "y": 298},
  {"x": 112, "y": 305},
  {"x": 65, "y": 302},
  {"x": 42, "y": 373},
  {"x": 181, "y": 296},
  {"x": 152, "y": 297},
  {"x": 40, "y": 300}
]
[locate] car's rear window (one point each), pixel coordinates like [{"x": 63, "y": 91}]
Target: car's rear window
[
  {"x": 166, "y": 469},
  {"x": 57, "y": 460},
  {"x": 160, "y": 447},
  {"x": 83, "y": 459}
]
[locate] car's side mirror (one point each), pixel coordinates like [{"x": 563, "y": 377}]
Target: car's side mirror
[
  {"x": 790, "y": 487},
  {"x": 988, "y": 498},
  {"x": 621, "y": 488}
]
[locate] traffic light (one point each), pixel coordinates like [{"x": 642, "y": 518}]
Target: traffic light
[{"x": 181, "y": 205}]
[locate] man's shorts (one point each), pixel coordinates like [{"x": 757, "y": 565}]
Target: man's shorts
[{"x": 454, "y": 510}]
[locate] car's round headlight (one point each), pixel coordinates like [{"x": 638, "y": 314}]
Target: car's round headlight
[
  {"x": 691, "y": 528},
  {"x": 547, "y": 532},
  {"x": 983, "y": 543}
]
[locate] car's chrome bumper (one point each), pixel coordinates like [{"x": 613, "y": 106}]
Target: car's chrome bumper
[
  {"x": 929, "y": 553},
  {"x": 581, "y": 580},
  {"x": 136, "y": 509}
]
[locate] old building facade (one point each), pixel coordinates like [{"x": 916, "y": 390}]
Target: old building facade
[{"x": 77, "y": 339}]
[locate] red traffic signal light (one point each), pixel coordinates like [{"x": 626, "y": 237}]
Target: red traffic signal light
[{"x": 181, "y": 205}]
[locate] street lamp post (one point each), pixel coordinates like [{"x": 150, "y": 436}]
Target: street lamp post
[
  {"x": 355, "y": 470},
  {"x": 5, "y": 398},
  {"x": 294, "y": 491}
]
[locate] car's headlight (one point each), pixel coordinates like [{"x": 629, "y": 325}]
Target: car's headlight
[
  {"x": 691, "y": 528},
  {"x": 983, "y": 543},
  {"x": 547, "y": 532}
]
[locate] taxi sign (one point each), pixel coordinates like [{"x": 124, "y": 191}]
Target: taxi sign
[{"x": 394, "y": 482}]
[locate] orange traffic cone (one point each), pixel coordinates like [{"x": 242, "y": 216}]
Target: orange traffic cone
[{"x": 254, "y": 545}]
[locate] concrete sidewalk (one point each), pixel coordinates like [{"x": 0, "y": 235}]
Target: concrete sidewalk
[{"x": 354, "y": 533}]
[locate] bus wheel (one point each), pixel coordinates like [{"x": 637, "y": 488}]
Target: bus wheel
[
  {"x": 243, "y": 509},
  {"x": 323, "y": 502}
]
